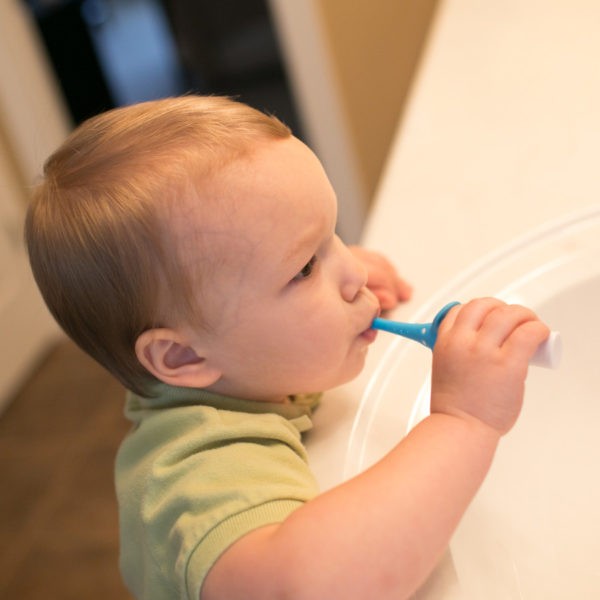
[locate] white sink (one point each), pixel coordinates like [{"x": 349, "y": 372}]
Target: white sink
[{"x": 533, "y": 530}]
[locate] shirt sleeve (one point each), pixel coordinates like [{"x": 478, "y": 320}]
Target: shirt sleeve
[{"x": 195, "y": 493}]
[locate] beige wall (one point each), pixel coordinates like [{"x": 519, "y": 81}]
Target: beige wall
[
  {"x": 32, "y": 123},
  {"x": 375, "y": 46}
]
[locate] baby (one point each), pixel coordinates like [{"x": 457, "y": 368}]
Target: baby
[{"x": 189, "y": 246}]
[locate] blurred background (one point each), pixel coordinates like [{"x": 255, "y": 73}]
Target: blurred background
[{"x": 337, "y": 71}]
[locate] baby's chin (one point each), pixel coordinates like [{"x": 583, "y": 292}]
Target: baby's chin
[{"x": 353, "y": 372}]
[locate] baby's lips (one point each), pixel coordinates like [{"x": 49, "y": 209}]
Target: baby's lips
[
  {"x": 377, "y": 314},
  {"x": 369, "y": 334}
]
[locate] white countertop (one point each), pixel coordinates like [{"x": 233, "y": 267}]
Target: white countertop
[{"x": 501, "y": 134}]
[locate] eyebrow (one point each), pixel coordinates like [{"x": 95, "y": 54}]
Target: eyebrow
[
  {"x": 300, "y": 245},
  {"x": 311, "y": 237}
]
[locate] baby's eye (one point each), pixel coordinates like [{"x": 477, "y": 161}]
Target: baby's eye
[{"x": 307, "y": 270}]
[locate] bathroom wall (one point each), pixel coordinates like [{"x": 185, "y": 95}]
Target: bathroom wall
[
  {"x": 32, "y": 122},
  {"x": 375, "y": 47},
  {"x": 351, "y": 65}
]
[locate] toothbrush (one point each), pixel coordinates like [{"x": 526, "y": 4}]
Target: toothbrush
[{"x": 547, "y": 355}]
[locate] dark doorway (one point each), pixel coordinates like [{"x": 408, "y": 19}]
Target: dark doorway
[{"x": 110, "y": 53}]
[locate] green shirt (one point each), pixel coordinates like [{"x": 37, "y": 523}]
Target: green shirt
[{"x": 197, "y": 472}]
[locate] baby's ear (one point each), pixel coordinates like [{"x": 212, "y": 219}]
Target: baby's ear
[{"x": 171, "y": 360}]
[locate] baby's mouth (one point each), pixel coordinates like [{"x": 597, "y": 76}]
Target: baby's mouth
[
  {"x": 369, "y": 333},
  {"x": 377, "y": 314}
]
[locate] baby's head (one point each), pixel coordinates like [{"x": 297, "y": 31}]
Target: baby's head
[
  {"x": 192, "y": 241},
  {"x": 98, "y": 226}
]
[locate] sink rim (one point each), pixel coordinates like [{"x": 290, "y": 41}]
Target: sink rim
[{"x": 557, "y": 244}]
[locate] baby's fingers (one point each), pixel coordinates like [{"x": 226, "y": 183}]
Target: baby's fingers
[
  {"x": 489, "y": 327},
  {"x": 474, "y": 313},
  {"x": 383, "y": 279},
  {"x": 525, "y": 339},
  {"x": 464, "y": 321},
  {"x": 504, "y": 319}
]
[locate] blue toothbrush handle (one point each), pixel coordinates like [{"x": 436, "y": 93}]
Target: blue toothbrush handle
[
  {"x": 418, "y": 332},
  {"x": 547, "y": 355},
  {"x": 425, "y": 333}
]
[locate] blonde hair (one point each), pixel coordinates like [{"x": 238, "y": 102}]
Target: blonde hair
[{"x": 95, "y": 228}]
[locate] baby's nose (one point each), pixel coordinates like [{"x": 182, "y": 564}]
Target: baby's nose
[{"x": 355, "y": 279}]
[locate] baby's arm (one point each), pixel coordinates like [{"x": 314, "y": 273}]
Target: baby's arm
[
  {"x": 383, "y": 279},
  {"x": 380, "y": 534}
]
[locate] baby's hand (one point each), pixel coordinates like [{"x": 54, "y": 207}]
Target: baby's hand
[
  {"x": 480, "y": 361},
  {"x": 383, "y": 280}
]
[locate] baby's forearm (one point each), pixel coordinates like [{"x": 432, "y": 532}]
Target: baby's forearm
[{"x": 378, "y": 535}]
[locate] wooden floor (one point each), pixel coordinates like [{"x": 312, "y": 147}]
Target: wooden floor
[{"x": 58, "y": 515}]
